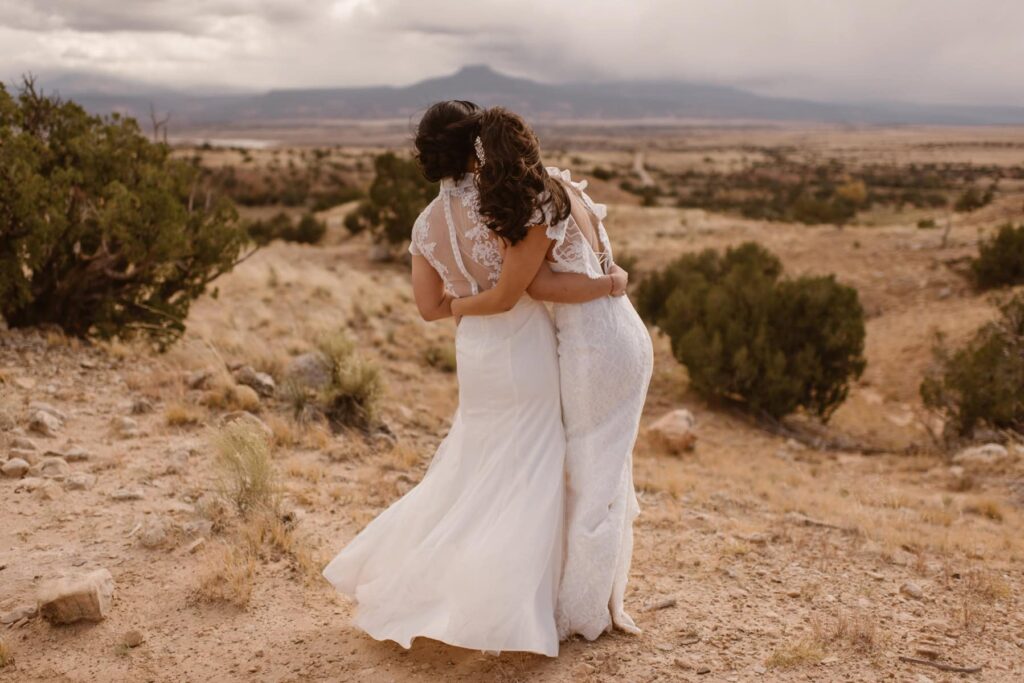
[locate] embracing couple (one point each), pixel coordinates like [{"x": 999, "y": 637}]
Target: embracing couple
[{"x": 520, "y": 534}]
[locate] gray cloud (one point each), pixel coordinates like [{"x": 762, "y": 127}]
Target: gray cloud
[{"x": 917, "y": 50}]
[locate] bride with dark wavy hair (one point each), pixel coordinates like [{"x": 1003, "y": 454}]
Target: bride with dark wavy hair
[{"x": 472, "y": 556}]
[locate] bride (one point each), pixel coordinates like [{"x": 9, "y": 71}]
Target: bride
[
  {"x": 605, "y": 359},
  {"x": 472, "y": 556}
]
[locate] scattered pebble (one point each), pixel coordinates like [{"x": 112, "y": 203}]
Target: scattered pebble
[
  {"x": 133, "y": 638},
  {"x": 44, "y": 423},
  {"x": 15, "y": 468},
  {"x": 128, "y": 494},
  {"x": 912, "y": 590}
]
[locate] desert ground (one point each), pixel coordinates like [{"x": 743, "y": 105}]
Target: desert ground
[{"x": 825, "y": 554}]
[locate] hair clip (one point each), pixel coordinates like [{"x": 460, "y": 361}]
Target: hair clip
[{"x": 478, "y": 145}]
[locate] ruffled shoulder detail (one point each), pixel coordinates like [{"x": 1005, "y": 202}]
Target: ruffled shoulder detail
[{"x": 563, "y": 174}]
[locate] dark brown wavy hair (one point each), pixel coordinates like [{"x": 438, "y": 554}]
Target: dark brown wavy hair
[
  {"x": 444, "y": 138},
  {"x": 513, "y": 182}
]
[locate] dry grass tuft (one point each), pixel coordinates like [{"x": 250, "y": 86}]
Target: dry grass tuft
[
  {"x": 6, "y": 656},
  {"x": 351, "y": 400},
  {"x": 401, "y": 457},
  {"x": 802, "y": 652},
  {"x": 284, "y": 430},
  {"x": 987, "y": 585},
  {"x": 440, "y": 357},
  {"x": 227, "y": 395},
  {"x": 858, "y": 631},
  {"x": 181, "y": 414},
  {"x": 247, "y": 476},
  {"x": 985, "y": 506},
  {"x": 268, "y": 532},
  {"x": 228, "y": 574}
]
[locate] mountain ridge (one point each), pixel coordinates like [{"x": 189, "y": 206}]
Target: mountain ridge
[{"x": 633, "y": 100}]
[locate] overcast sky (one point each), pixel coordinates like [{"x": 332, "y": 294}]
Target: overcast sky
[{"x": 962, "y": 51}]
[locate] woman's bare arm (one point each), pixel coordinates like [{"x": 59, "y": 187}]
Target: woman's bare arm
[
  {"x": 428, "y": 290},
  {"x": 576, "y": 288},
  {"x": 520, "y": 266}
]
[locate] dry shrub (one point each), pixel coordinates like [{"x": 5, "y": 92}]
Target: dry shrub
[
  {"x": 351, "y": 398},
  {"x": 227, "y": 575},
  {"x": 987, "y": 585},
  {"x": 231, "y": 396},
  {"x": 858, "y": 631},
  {"x": 799, "y": 653},
  {"x": 243, "y": 459},
  {"x": 181, "y": 414},
  {"x": 270, "y": 533}
]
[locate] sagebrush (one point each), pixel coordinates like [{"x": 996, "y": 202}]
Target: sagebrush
[
  {"x": 397, "y": 196},
  {"x": 1000, "y": 260},
  {"x": 747, "y": 335},
  {"x": 982, "y": 383},
  {"x": 101, "y": 230}
]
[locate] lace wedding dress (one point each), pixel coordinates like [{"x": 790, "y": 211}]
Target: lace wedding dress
[
  {"x": 606, "y": 359},
  {"x": 472, "y": 555}
]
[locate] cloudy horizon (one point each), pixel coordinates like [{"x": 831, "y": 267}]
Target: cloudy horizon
[{"x": 938, "y": 51}]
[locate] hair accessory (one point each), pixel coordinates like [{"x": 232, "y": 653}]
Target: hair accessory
[{"x": 478, "y": 145}]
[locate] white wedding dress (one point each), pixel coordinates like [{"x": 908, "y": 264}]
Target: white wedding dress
[
  {"x": 606, "y": 359},
  {"x": 472, "y": 555}
]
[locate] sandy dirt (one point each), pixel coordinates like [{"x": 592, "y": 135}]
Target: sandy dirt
[{"x": 757, "y": 558}]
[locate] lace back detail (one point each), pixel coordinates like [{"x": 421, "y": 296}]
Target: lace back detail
[
  {"x": 451, "y": 236},
  {"x": 573, "y": 251}
]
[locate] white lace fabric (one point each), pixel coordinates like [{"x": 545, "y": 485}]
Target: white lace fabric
[
  {"x": 605, "y": 364},
  {"x": 453, "y": 219}
]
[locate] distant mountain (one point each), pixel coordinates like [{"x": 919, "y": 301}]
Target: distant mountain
[{"x": 540, "y": 101}]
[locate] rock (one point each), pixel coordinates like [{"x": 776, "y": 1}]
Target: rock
[
  {"x": 44, "y": 423},
  {"x": 53, "y": 468},
  {"x": 310, "y": 370},
  {"x": 132, "y": 638},
  {"x": 29, "y": 484},
  {"x": 675, "y": 431},
  {"x": 141, "y": 406},
  {"x": 40, "y": 406},
  {"x": 80, "y": 482},
  {"x": 128, "y": 494},
  {"x": 15, "y": 468},
  {"x": 154, "y": 533},
  {"x": 912, "y": 590},
  {"x": 48, "y": 490},
  {"x": 126, "y": 427},
  {"x": 22, "y": 443},
  {"x": 246, "y": 416},
  {"x": 260, "y": 381},
  {"x": 198, "y": 379},
  {"x": 18, "y": 613},
  {"x": 76, "y": 454},
  {"x": 982, "y": 456},
  {"x": 72, "y": 599},
  {"x": 31, "y": 457}
]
